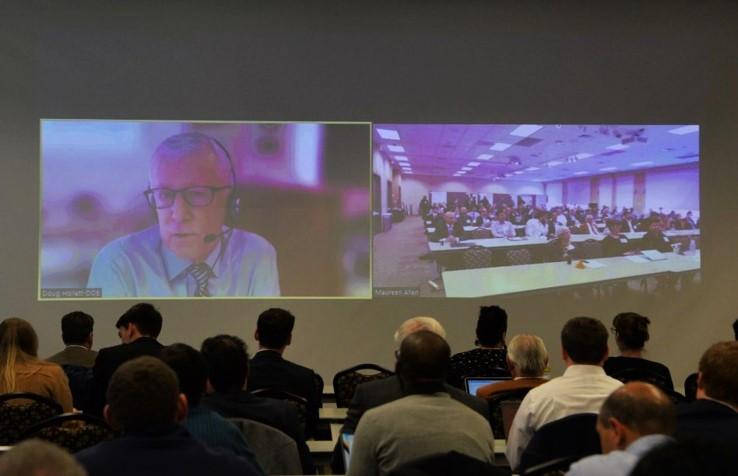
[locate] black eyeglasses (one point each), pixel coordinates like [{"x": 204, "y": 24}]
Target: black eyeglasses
[{"x": 193, "y": 196}]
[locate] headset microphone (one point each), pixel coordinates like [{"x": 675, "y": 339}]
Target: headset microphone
[{"x": 214, "y": 236}]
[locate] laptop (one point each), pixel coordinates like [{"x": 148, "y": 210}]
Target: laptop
[{"x": 472, "y": 384}]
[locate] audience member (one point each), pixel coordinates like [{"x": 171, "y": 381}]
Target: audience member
[
  {"x": 654, "y": 239},
  {"x": 527, "y": 359},
  {"x": 39, "y": 458},
  {"x": 227, "y": 362},
  {"x": 22, "y": 371},
  {"x": 536, "y": 226},
  {"x": 77, "y": 337},
  {"x": 203, "y": 423},
  {"x": 633, "y": 420},
  {"x": 582, "y": 388},
  {"x": 588, "y": 227},
  {"x": 615, "y": 243},
  {"x": 138, "y": 329},
  {"x": 77, "y": 358},
  {"x": 560, "y": 248},
  {"x": 425, "y": 422},
  {"x": 269, "y": 369},
  {"x": 631, "y": 334},
  {"x": 501, "y": 227},
  {"x": 489, "y": 358},
  {"x": 144, "y": 403},
  {"x": 713, "y": 417},
  {"x": 447, "y": 227}
]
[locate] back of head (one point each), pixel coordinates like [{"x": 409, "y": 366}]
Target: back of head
[
  {"x": 226, "y": 361},
  {"x": 18, "y": 342},
  {"x": 145, "y": 317},
  {"x": 735, "y": 329},
  {"x": 76, "y": 328},
  {"x": 529, "y": 355},
  {"x": 641, "y": 407},
  {"x": 39, "y": 458},
  {"x": 275, "y": 328},
  {"x": 189, "y": 365},
  {"x": 631, "y": 330},
  {"x": 423, "y": 360},
  {"x": 585, "y": 340},
  {"x": 415, "y": 324},
  {"x": 491, "y": 325},
  {"x": 719, "y": 372},
  {"x": 142, "y": 394}
]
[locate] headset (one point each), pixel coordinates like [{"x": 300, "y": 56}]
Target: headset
[{"x": 233, "y": 204}]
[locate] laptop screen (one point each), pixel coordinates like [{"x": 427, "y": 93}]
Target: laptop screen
[{"x": 474, "y": 383}]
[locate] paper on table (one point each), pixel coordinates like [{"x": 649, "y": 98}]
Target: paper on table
[
  {"x": 592, "y": 264},
  {"x": 637, "y": 259}
]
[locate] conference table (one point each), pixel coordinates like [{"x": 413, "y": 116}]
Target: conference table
[{"x": 498, "y": 280}]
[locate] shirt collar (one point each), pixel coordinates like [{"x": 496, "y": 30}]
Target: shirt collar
[
  {"x": 578, "y": 370},
  {"x": 176, "y": 267}
]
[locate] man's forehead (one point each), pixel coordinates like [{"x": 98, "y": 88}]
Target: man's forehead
[{"x": 201, "y": 162}]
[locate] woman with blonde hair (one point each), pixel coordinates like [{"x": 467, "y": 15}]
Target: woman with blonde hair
[{"x": 22, "y": 371}]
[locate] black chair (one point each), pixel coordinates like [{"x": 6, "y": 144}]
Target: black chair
[
  {"x": 346, "y": 381},
  {"x": 72, "y": 431},
  {"x": 557, "y": 467},
  {"x": 80, "y": 383},
  {"x": 690, "y": 387},
  {"x": 298, "y": 402},
  {"x": 571, "y": 436},
  {"x": 452, "y": 462},
  {"x": 20, "y": 411},
  {"x": 657, "y": 379},
  {"x": 495, "y": 409}
]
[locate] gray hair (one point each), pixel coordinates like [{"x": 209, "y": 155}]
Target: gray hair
[
  {"x": 528, "y": 354},
  {"x": 415, "y": 324},
  {"x": 39, "y": 458}
]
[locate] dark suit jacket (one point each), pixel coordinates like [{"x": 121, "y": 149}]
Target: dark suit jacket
[
  {"x": 169, "y": 451},
  {"x": 373, "y": 394},
  {"x": 74, "y": 355},
  {"x": 268, "y": 369},
  {"x": 275, "y": 413},
  {"x": 709, "y": 421},
  {"x": 441, "y": 230},
  {"x": 109, "y": 359}
]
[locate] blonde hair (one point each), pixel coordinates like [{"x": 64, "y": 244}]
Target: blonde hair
[
  {"x": 18, "y": 342},
  {"x": 415, "y": 324}
]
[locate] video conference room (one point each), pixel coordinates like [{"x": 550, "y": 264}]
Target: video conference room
[{"x": 474, "y": 96}]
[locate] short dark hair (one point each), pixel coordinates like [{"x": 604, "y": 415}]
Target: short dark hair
[
  {"x": 719, "y": 369},
  {"x": 585, "y": 340},
  {"x": 275, "y": 327},
  {"x": 424, "y": 359},
  {"x": 735, "y": 329},
  {"x": 143, "y": 394},
  {"x": 641, "y": 407},
  {"x": 189, "y": 365},
  {"x": 146, "y": 318},
  {"x": 631, "y": 330},
  {"x": 227, "y": 362},
  {"x": 76, "y": 327},
  {"x": 491, "y": 325}
]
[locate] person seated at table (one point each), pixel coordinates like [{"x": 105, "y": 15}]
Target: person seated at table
[
  {"x": 654, "y": 239},
  {"x": 588, "y": 227},
  {"x": 688, "y": 222},
  {"x": 631, "y": 335},
  {"x": 560, "y": 248},
  {"x": 463, "y": 217},
  {"x": 22, "y": 371},
  {"x": 473, "y": 215},
  {"x": 489, "y": 358},
  {"x": 449, "y": 228},
  {"x": 484, "y": 219},
  {"x": 527, "y": 359},
  {"x": 536, "y": 226},
  {"x": 629, "y": 224},
  {"x": 615, "y": 243},
  {"x": 501, "y": 227}
]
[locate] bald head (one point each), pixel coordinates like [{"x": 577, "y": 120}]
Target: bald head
[
  {"x": 640, "y": 407},
  {"x": 416, "y": 324},
  {"x": 423, "y": 359}
]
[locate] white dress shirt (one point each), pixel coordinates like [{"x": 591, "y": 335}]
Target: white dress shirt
[
  {"x": 502, "y": 230},
  {"x": 592, "y": 229},
  {"x": 581, "y": 389},
  {"x": 535, "y": 229}
]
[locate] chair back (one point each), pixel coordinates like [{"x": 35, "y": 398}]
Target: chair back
[
  {"x": 480, "y": 234},
  {"x": 275, "y": 452},
  {"x": 502, "y": 409},
  {"x": 72, "y": 431},
  {"x": 590, "y": 249},
  {"x": 690, "y": 387},
  {"x": 632, "y": 374},
  {"x": 20, "y": 411},
  {"x": 573, "y": 436},
  {"x": 346, "y": 381},
  {"x": 556, "y": 467},
  {"x": 517, "y": 257},
  {"x": 452, "y": 462},
  {"x": 477, "y": 257},
  {"x": 299, "y": 403},
  {"x": 80, "y": 383}
]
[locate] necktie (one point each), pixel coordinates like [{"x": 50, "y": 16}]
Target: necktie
[{"x": 201, "y": 272}]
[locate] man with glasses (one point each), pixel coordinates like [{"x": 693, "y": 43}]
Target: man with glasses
[{"x": 193, "y": 250}]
